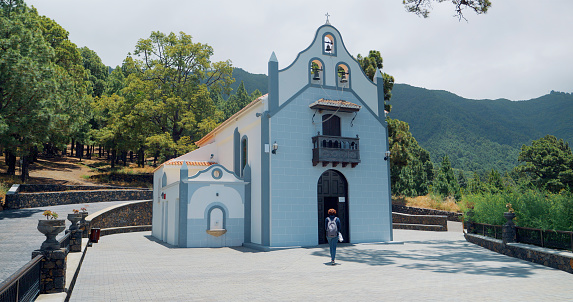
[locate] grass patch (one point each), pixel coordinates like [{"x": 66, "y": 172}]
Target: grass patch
[{"x": 429, "y": 201}]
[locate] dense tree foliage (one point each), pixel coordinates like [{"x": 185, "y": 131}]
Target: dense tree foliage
[
  {"x": 237, "y": 101},
  {"x": 43, "y": 96},
  {"x": 410, "y": 165},
  {"x": 549, "y": 163},
  {"x": 161, "y": 98},
  {"x": 445, "y": 183},
  {"x": 369, "y": 65}
]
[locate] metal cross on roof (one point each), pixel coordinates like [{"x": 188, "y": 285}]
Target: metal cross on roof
[{"x": 327, "y": 15}]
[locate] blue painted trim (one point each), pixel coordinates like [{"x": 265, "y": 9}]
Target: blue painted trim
[
  {"x": 381, "y": 119},
  {"x": 183, "y": 205},
  {"x": 323, "y": 72},
  {"x": 380, "y": 93},
  {"x": 348, "y": 76},
  {"x": 247, "y": 206},
  {"x": 314, "y": 41},
  {"x": 389, "y": 189},
  {"x": 208, "y": 169},
  {"x": 236, "y": 151},
  {"x": 334, "y": 44},
  {"x": 244, "y": 164},
  {"x": 215, "y": 172},
  {"x": 265, "y": 181},
  {"x": 273, "y": 71},
  {"x": 163, "y": 180},
  {"x": 211, "y": 207}
]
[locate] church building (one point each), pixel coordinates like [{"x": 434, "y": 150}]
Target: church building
[{"x": 266, "y": 177}]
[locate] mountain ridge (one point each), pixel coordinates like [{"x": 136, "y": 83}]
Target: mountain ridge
[{"x": 477, "y": 135}]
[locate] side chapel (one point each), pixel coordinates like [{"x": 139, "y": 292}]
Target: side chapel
[{"x": 266, "y": 177}]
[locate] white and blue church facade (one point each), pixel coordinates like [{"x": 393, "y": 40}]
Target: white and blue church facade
[{"x": 266, "y": 177}]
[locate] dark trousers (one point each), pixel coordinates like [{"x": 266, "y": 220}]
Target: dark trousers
[{"x": 332, "y": 241}]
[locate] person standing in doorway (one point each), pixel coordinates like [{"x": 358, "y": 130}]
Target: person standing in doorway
[{"x": 332, "y": 228}]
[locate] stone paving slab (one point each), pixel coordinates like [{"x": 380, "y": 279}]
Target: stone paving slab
[
  {"x": 429, "y": 266},
  {"x": 19, "y": 235}
]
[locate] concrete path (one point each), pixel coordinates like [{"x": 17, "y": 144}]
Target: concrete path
[
  {"x": 428, "y": 266},
  {"x": 19, "y": 235}
]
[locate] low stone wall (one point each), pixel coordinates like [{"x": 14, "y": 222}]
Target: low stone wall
[
  {"x": 129, "y": 229},
  {"x": 32, "y": 200},
  {"x": 561, "y": 260},
  {"x": 419, "y": 222},
  {"x": 128, "y": 217},
  {"x": 451, "y": 216},
  {"x": 33, "y": 188}
]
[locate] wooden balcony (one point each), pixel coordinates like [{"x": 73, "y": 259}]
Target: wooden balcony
[{"x": 335, "y": 150}]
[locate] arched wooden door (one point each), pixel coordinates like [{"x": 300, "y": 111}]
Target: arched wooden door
[{"x": 332, "y": 191}]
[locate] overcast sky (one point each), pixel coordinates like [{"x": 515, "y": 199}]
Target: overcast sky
[{"x": 520, "y": 49}]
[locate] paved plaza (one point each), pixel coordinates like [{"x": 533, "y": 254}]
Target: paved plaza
[
  {"x": 19, "y": 234},
  {"x": 428, "y": 266}
]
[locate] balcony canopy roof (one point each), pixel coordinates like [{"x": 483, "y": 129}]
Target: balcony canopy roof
[{"x": 332, "y": 105}]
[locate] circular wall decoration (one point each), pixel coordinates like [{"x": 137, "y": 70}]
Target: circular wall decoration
[{"x": 217, "y": 173}]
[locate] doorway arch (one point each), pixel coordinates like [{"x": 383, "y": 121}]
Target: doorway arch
[{"x": 332, "y": 193}]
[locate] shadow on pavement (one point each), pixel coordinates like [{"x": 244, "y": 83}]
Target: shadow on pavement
[
  {"x": 19, "y": 213},
  {"x": 165, "y": 244},
  {"x": 440, "y": 256}
]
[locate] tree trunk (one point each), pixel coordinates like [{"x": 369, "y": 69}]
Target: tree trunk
[
  {"x": 25, "y": 171},
  {"x": 79, "y": 150},
  {"x": 131, "y": 156},
  {"x": 124, "y": 158},
  {"x": 99, "y": 152},
  {"x": 72, "y": 148},
  {"x": 34, "y": 155},
  {"x": 11, "y": 162},
  {"x": 141, "y": 158},
  {"x": 113, "y": 152}
]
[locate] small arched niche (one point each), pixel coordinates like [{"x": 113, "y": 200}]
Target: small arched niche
[
  {"x": 216, "y": 222},
  {"x": 316, "y": 72},
  {"x": 343, "y": 76}
]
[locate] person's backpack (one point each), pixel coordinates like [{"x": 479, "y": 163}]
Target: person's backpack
[{"x": 332, "y": 228}]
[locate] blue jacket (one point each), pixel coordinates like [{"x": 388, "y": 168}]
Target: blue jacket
[{"x": 336, "y": 219}]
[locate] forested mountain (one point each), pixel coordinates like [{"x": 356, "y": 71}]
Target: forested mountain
[
  {"x": 250, "y": 80},
  {"x": 477, "y": 135}
]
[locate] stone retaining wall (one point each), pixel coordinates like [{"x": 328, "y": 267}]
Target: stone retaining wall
[
  {"x": 122, "y": 218},
  {"x": 419, "y": 222},
  {"x": 451, "y": 216},
  {"x": 561, "y": 260},
  {"x": 33, "y": 188},
  {"x": 32, "y": 200}
]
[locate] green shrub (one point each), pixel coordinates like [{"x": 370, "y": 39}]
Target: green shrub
[{"x": 533, "y": 209}]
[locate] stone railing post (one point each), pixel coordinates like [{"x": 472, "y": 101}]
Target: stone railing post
[
  {"x": 52, "y": 270},
  {"x": 76, "y": 241},
  {"x": 508, "y": 229}
]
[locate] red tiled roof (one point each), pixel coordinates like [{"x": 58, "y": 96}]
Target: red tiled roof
[
  {"x": 190, "y": 163},
  {"x": 173, "y": 162}
]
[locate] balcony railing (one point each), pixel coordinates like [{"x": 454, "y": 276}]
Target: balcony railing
[{"x": 335, "y": 150}]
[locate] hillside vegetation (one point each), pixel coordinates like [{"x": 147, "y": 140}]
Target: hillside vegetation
[{"x": 480, "y": 135}]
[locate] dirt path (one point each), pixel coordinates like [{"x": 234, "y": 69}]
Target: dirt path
[{"x": 62, "y": 170}]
